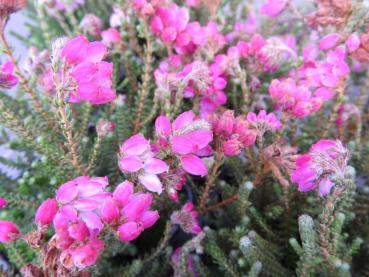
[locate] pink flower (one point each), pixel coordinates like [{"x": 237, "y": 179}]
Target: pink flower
[
  {"x": 136, "y": 157},
  {"x": 86, "y": 255},
  {"x": 353, "y": 42},
  {"x": 170, "y": 24},
  {"x": 185, "y": 137},
  {"x": 147, "y": 7},
  {"x": 294, "y": 99},
  {"x": 329, "y": 41},
  {"x": 187, "y": 218},
  {"x": 91, "y": 24},
  {"x": 111, "y": 36},
  {"x": 7, "y": 79},
  {"x": 92, "y": 75},
  {"x": 325, "y": 159},
  {"x": 129, "y": 231},
  {"x": 263, "y": 122},
  {"x": 3, "y": 202},
  {"x": 273, "y": 8},
  {"x": 46, "y": 212},
  {"x": 9, "y": 232},
  {"x": 234, "y": 134}
]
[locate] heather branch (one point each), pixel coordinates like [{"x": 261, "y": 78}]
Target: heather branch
[
  {"x": 210, "y": 180},
  {"x": 146, "y": 79},
  {"x": 24, "y": 83},
  {"x": 325, "y": 221},
  {"x": 61, "y": 108}
]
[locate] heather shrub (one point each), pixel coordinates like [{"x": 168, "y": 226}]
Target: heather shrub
[{"x": 184, "y": 138}]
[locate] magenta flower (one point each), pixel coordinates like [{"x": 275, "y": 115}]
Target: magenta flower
[
  {"x": 325, "y": 160},
  {"x": 353, "y": 42},
  {"x": 329, "y": 41},
  {"x": 7, "y": 79},
  {"x": 187, "y": 218},
  {"x": 46, "y": 212},
  {"x": 9, "y": 232},
  {"x": 137, "y": 157},
  {"x": 186, "y": 137},
  {"x": 92, "y": 75},
  {"x": 170, "y": 24},
  {"x": 294, "y": 99},
  {"x": 273, "y": 8},
  {"x": 3, "y": 202},
  {"x": 91, "y": 24},
  {"x": 234, "y": 134},
  {"x": 111, "y": 36},
  {"x": 86, "y": 255}
]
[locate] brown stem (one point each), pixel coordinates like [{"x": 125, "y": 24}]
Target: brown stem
[
  {"x": 210, "y": 180},
  {"x": 70, "y": 139},
  {"x": 61, "y": 109},
  {"x": 146, "y": 79},
  {"x": 218, "y": 205}
]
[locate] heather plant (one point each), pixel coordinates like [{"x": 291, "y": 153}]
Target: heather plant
[{"x": 185, "y": 138}]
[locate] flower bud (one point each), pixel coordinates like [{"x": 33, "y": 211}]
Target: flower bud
[
  {"x": 78, "y": 231},
  {"x": 109, "y": 211},
  {"x": 46, "y": 212},
  {"x": 9, "y": 232},
  {"x": 135, "y": 208},
  {"x": 149, "y": 218},
  {"x": 123, "y": 193},
  {"x": 129, "y": 231}
]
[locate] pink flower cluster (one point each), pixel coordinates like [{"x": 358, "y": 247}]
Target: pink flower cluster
[
  {"x": 187, "y": 219},
  {"x": 172, "y": 25},
  {"x": 233, "y": 134},
  {"x": 7, "y": 78},
  {"x": 92, "y": 75},
  {"x": 197, "y": 78},
  {"x": 310, "y": 85},
  {"x": 83, "y": 209},
  {"x": 325, "y": 160},
  {"x": 147, "y": 7},
  {"x": 136, "y": 157}
]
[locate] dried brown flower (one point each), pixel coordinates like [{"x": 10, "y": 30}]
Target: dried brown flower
[
  {"x": 8, "y": 7},
  {"x": 362, "y": 53},
  {"x": 331, "y": 12},
  {"x": 279, "y": 159}
]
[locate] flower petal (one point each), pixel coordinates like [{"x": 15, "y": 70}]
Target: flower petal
[
  {"x": 151, "y": 182},
  {"x": 194, "y": 165},
  {"x": 155, "y": 166}
]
